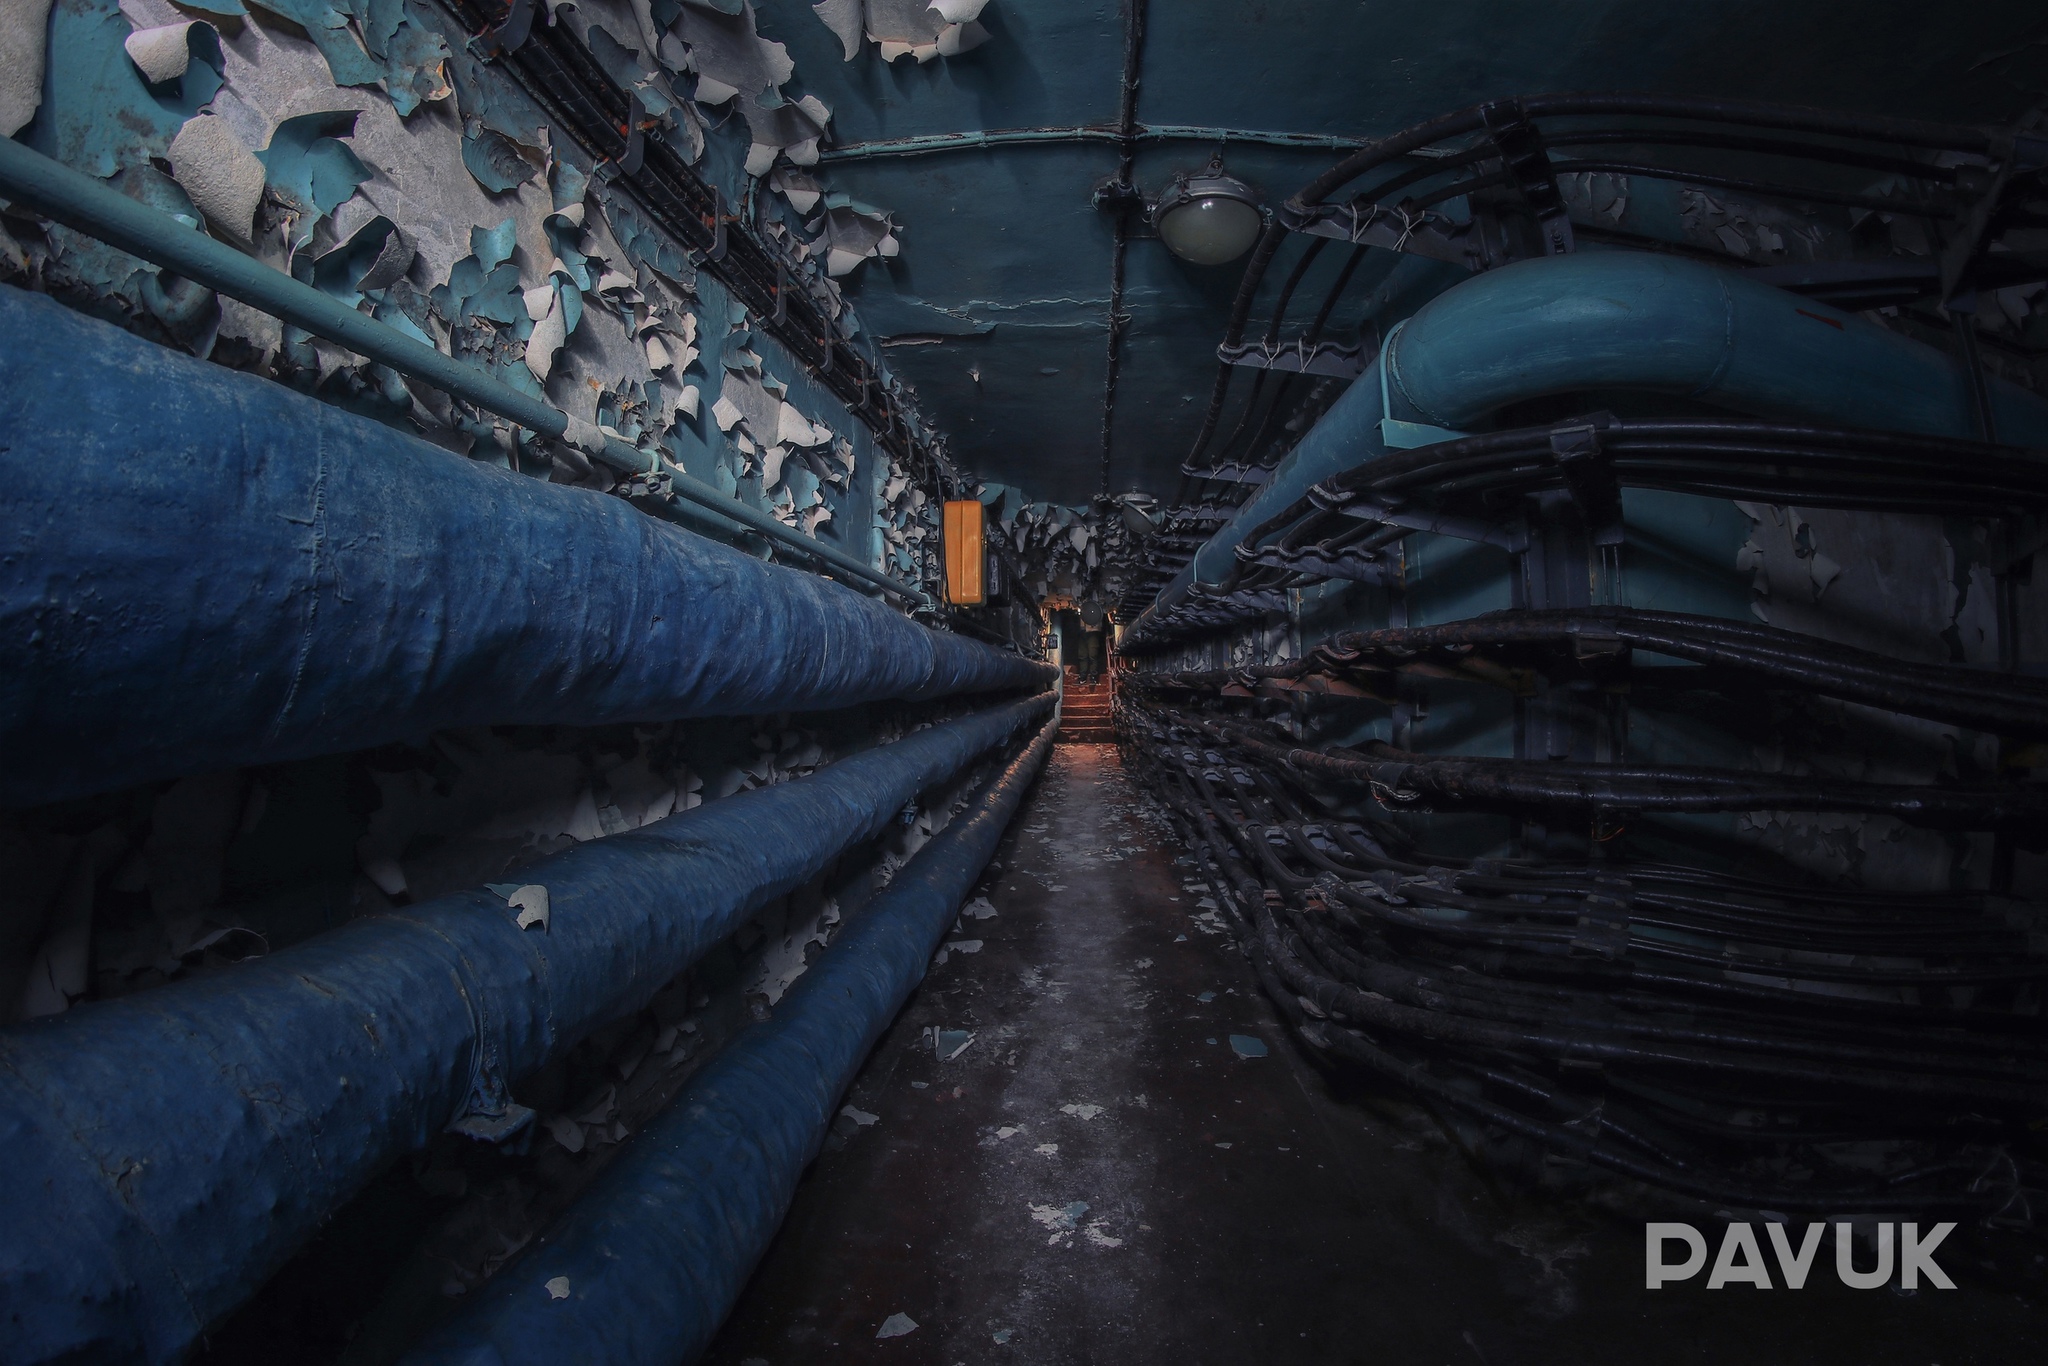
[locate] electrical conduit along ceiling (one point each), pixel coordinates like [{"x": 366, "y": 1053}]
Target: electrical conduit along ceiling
[{"x": 998, "y": 306}]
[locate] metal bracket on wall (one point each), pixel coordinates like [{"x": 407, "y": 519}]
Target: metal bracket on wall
[
  {"x": 1414, "y": 232},
  {"x": 1511, "y": 539},
  {"x": 1512, "y": 213},
  {"x": 1298, "y": 357},
  {"x": 1189, "y": 514},
  {"x": 634, "y": 154},
  {"x": 1525, "y": 164},
  {"x": 719, "y": 219},
  {"x": 1576, "y": 448},
  {"x": 1230, "y": 474},
  {"x": 1355, "y": 568}
]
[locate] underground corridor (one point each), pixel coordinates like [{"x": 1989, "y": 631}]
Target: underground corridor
[
  {"x": 1072, "y": 682},
  {"x": 1088, "y": 1139}
]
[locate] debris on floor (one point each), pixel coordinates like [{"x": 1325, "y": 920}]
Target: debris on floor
[
  {"x": 1179, "y": 1153},
  {"x": 951, "y": 1043},
  {"x": 1062, "y": 1220}
]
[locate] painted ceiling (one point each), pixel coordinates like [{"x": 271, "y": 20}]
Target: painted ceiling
[{"x": 997, "y": 307}]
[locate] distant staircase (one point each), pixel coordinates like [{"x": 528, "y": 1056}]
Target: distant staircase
[{"x": 1084, "y": 713}]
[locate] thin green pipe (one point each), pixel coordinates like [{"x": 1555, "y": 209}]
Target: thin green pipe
[{"x": 34, "y": 181}]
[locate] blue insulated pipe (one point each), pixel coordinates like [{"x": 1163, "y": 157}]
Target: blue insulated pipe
[
  {"x": 657, "y": 1251},
  {"x": 1628, "y": 320},
  {"x": 31, "y": 180},
  {"x": 201, "y": 569},
  {"x": 167, "y": 1151}
]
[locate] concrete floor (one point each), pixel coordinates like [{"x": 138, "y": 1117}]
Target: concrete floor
[{"x": 1101, "y": 1178}]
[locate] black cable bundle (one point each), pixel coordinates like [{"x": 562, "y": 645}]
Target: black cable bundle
[{"x": 1758, "y": 1044}]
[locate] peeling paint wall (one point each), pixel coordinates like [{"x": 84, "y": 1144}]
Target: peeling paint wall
[{"x": 371, "y": 152}]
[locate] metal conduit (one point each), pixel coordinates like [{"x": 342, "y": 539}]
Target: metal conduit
[
  {"x": 657, "y": 1252},
  {"x": 169, "y": 1150},
  {"x": 50, "y": 188}
]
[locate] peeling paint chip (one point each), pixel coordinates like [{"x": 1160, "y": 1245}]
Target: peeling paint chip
[
  {"x": 530, "y": 900},
  {"x": 896, "y": 1325},
  {"x": 1245, "y": 1046},
  {"x": 223, "y": 178},
  {"x": 558, "y": 1288},
  {"x": 1081, "y": 1111},
  {"x": 860, "y": 1117},
  {"x": 1059, "y": 1217},
  {"x": 23, "y": 38}
]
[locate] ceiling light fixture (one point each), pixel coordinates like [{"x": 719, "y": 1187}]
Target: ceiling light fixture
[{"x": 1208, "y": 218}]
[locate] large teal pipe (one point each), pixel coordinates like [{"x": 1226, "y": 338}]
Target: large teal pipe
[
  {"x": 33, "y": 181},
  {"x": 1639, "y": 321},
  {"x": 1631, "y": 320}
]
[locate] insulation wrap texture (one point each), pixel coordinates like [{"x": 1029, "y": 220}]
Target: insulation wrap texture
[
  {"x": 202, "y": 569},
  {"x": 167, "y": 1151},
  {"x": 658, "y": 1249}
]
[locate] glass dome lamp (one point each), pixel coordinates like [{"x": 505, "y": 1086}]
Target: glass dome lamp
[{"x": 1209, "y": 218}]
